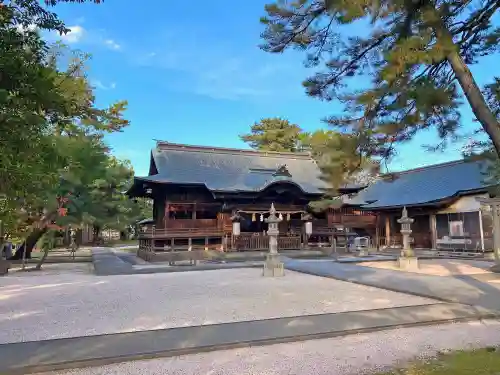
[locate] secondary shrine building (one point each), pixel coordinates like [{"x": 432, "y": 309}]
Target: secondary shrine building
[
  {"x": 441, "y": 198},
  {"x": 197, "y": 190}
]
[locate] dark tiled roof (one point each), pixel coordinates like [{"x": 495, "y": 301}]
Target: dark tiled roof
[
  {"x": 425, "y": 185},
  {"x": 232, "y": 170},
  {"x": 146, "y": 221}
]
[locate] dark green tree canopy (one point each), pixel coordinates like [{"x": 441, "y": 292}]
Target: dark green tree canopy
[
  {"x": 273, "y": 134},
  {"x": 413, "y": 63}
]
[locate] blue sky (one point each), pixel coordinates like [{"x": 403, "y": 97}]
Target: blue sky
[{"x": 192, "y": 73}]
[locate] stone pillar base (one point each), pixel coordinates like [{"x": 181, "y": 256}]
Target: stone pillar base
[
  {"x": 495, "y": 268},
  {"x": 407, "y": 253},
  {"x": 4, "y": 266},
  {"x": 273, "y": 267},
  {"x": 408, "y": 263},
  {"x": 363, "y": 252}
]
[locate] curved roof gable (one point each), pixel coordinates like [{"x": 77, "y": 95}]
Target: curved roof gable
[{"x": 233, "y": 170}]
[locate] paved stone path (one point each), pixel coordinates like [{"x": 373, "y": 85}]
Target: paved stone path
[
  {"x": 108, "y": 263},
  {"x": 50, "y": 355},
  {"x": 471, "y": 290}
]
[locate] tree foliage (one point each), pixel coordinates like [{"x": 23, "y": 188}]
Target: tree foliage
[
  {"x": 398, "y": 66},
  {"x": 55, "y": 169},
  {"x": 273, "y": 134},
  {"x": 335, "y": 153}
]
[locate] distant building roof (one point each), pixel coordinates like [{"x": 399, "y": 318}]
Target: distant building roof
[
  {"x": 146, "y": 221},
  {"x": 423, "y": 186},
  {"x": 232, "y": 170}
]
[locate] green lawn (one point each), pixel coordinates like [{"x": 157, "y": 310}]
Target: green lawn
[{"x": 476, "y": 362}]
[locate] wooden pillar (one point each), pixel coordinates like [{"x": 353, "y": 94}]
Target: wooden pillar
[
  {"x": 167, "y": 214},
  {"x": 387, "y": 231},
  {"x": 190, "y": 242},
  {"x": 172, "y": 243},
  {"x": 433, "y": 226},
  {"x": 496, "y": 234},
  {"x": 481, "y": 230},
  {"x": 193, "y": 213},
  {"x": 206, "y": 242}
]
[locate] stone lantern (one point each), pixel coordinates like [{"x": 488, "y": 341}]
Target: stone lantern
[
  {"x": 273, "y": 265},
  {"x": 308, "y": 228},
  {"x": 494, "y": 204},
  {"x": 236, "y": 219},
  {"x": 407, "y": 258}
]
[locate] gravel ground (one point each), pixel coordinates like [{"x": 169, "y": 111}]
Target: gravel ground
[
  {"x": 357, "y": 354},
  {"x": 37, "y": 307},
  {"x": 439, "y": 267}
]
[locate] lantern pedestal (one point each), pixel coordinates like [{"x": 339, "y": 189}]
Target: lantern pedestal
[
  {"x": 273, "y": 266},
  {"x": 362, "y": 252},
  {"x": 408, "y": 263},
  {"x": 407, "y": 259}
]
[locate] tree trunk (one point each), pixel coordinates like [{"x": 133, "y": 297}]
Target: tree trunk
[
  {"x": 475, "y": 98},
  {"x": 96, "y": 232},
  {"x": 470, "y": 88},
  {"x": 42, "y": 259},
  {"x": 29, "y": 244}
]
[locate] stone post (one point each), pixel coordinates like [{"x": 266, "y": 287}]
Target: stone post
[
  {"x": 273, "y": 265},
  {"x": 494, "y": 204},
  {"x": 407, "y": 258}
]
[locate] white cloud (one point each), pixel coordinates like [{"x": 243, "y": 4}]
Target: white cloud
[
  {"x": 223, "y": 71},
  {"x": 112, "y": 44},
  {"x": 79, "y": 34},
  {"x": 100, "y": 85},
  {"x": 75, "y": 34}
]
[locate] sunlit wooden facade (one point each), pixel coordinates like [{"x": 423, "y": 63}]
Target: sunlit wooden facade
[
  {"x": 198, "y": 190},
  {"x": 442, "y": 200}
]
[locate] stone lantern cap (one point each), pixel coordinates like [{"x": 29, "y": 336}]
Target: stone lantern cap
[
  {"x": 272, "y": 216},
  {"x": 236, "y": 218},
  {"x": 404, "y": 218}
]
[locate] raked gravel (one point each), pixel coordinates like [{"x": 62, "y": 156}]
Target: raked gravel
[
  {"x": 37, "y": 307},
  {"x": 357, "y": 354}
]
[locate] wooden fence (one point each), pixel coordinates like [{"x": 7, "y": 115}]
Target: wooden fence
[{"x": 261, "y": 242}]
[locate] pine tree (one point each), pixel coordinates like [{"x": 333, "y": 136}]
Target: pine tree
[
  {"x": 273, "y": 134},
  {"x": 413, "y": 59}
]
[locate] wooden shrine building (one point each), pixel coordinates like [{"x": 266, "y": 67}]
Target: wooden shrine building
[
  {"x": 197, "y": 191},
  {"x": 442, "y": 199}
]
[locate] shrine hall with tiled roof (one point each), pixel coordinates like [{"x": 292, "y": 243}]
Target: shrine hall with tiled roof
[
  {"x": 232, "y": 170},
  {"x": 426, "y": 186}
]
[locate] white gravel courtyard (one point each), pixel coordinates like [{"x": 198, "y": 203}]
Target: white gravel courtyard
[
  {"x": 37, "y": 307},
  {"x": 350, "y": 355}
]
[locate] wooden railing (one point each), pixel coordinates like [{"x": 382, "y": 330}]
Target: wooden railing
[
  {"x": 289, "y": 243},
  {"x": 261, "y": 242},
  {"x": 353, "y": 221},
  {"x": 181, "y": 232},
  {"x": 190, "y": 223},
  {"x": 417, "y": 240}
]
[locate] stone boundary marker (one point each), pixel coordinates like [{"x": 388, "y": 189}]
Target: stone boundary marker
[{"x": 59, "y": 354}]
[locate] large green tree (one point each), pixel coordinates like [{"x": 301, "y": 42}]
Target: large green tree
[
  {"x": 32, "y": 100},
  {"x": 273, "y": 134},
  {"x": 337, "y": 157},
  {"x": 399, "y": 66}
]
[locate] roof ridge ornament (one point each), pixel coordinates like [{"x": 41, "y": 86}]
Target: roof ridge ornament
[{"x": 282, "y": 170}]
